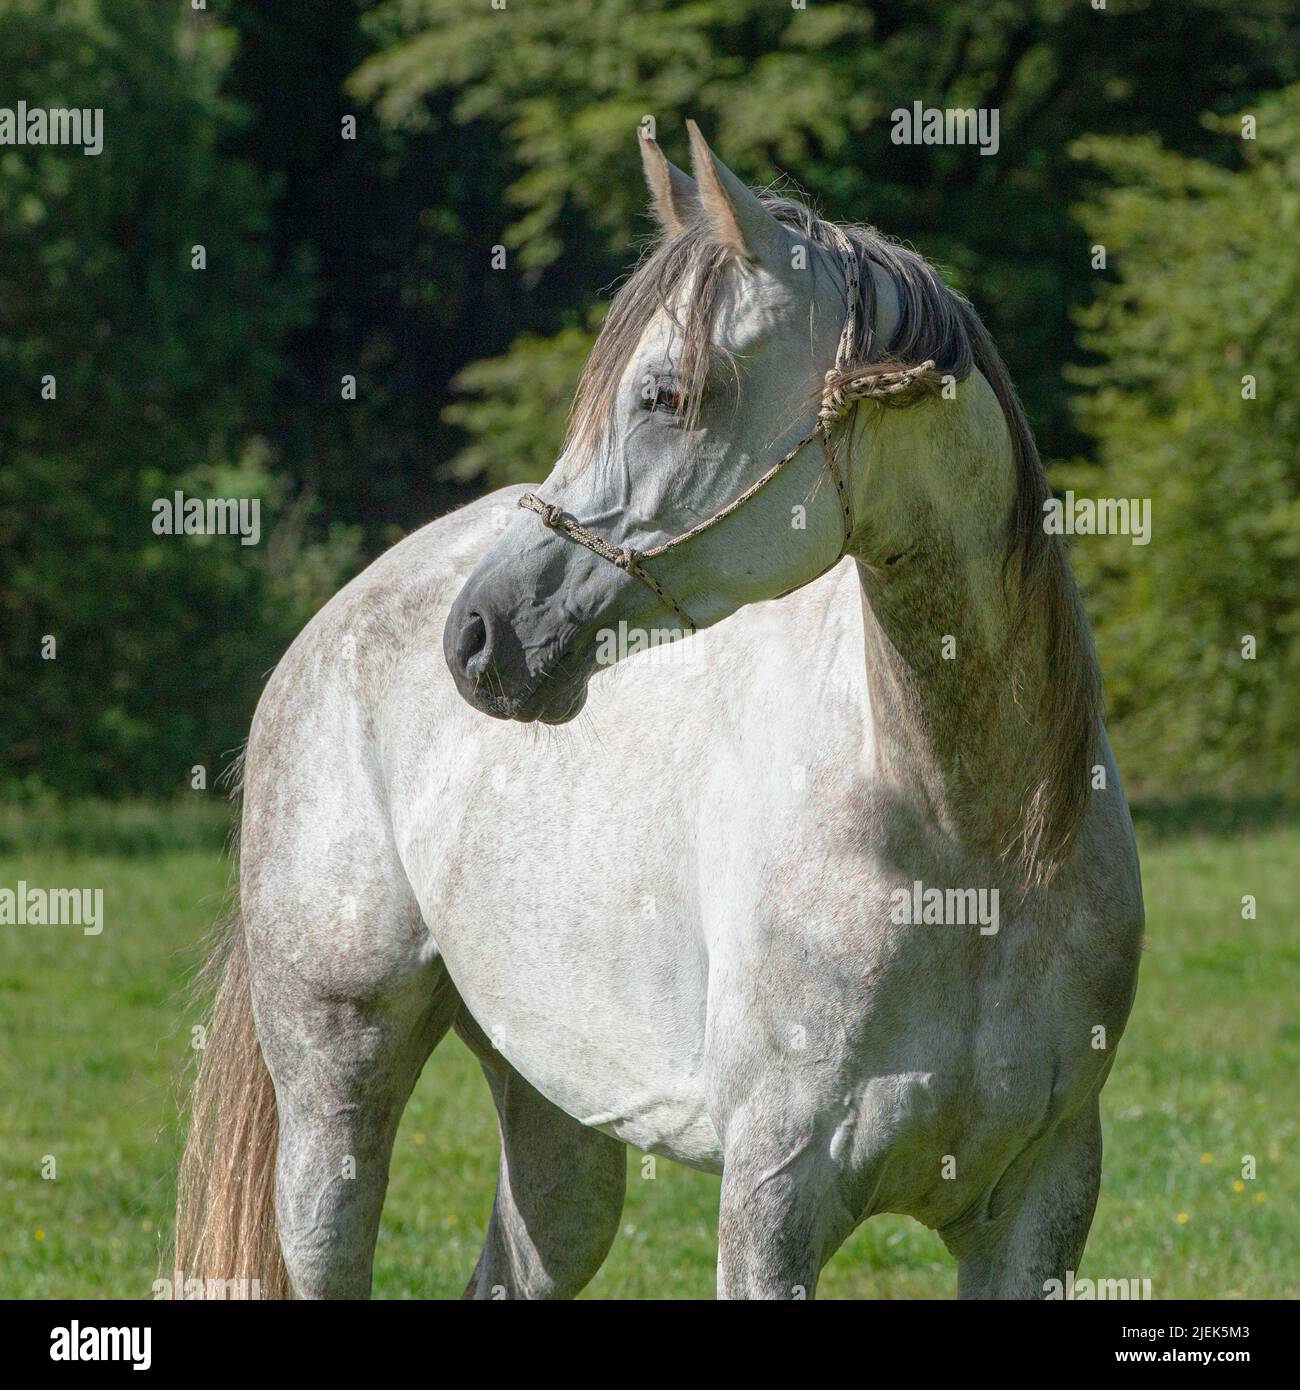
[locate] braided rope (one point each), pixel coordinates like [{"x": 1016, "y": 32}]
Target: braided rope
[{"x": 837, "y": 399}]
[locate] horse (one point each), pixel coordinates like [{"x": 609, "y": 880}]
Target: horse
[{"x": 828, "y": 886}]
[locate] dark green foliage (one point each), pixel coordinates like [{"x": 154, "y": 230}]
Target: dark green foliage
[
  {"x": 1202, "y": 313},
  {"x": 808, "y": 92},
  {"x": 160, "y": 372}
]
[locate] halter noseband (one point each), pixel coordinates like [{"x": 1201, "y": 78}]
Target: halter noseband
[{"x": 836, "y": 400}]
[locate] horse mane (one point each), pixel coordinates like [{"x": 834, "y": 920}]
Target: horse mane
[{"x": 935, "y": 322}]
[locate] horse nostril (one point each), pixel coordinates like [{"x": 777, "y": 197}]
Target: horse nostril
[{"x": 472, "y": 646}]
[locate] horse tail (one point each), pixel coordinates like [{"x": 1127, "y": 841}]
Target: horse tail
[{"x": 225, "y": 1195}]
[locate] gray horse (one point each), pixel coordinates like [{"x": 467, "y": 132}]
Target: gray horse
[{"x": 837, "y": 898}]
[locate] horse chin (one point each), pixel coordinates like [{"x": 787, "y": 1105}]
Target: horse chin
[
  {"x": 571, "y": 711},
  {"x": 553, "y": 704}
]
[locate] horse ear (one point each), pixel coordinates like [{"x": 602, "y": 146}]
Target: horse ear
[
  {"x": 738, "y": 219},
  {"x": 673, "y": 194}
]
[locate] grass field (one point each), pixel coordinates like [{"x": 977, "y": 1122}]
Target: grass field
[{"x": 94, "y": 1032}]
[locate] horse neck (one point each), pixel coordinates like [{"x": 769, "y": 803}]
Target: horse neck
[
  {"x": 949, "y": 734},
  {"x": 997, "y": 740}
]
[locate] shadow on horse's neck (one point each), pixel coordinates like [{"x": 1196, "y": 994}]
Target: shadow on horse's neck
[
  {"x": 947, "y": 734},
  {"x": 985, "y": 693},
  {"x": 962, "y": 708}
]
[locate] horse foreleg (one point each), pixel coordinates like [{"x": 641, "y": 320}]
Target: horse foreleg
[
  {"x": 785, "y": 1206},
  {"x": 1043, "y": 1234},
  {"x": 560, "y": 1190},
  {"x": 343, "y": 1071}
]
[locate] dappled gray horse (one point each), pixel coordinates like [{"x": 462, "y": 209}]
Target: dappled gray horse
[{"x": 837, "y": 898}]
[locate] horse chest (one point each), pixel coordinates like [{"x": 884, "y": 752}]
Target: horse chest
[
  {"x": 939, "y": 1049},
  {"x": 956, "y": 1080}
]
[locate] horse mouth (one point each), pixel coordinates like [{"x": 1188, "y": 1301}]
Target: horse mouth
[{"x": 553, "y": 700}]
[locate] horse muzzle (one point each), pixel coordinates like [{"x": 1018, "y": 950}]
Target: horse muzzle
[{"x": 500, "y": 672}]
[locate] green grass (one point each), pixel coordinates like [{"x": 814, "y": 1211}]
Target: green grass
[{"x": 94, "y": 1031}]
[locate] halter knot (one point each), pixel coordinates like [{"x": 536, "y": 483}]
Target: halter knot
[
  {"x": 834, "y": 401},
  {"x": 551, "y": 515},
  {"x": 625, "y": 558}
]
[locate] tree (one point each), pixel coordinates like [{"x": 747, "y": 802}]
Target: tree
[
  {"x": 127, "y": 372},
  {"x": 1193, "y": 407},
  {"x": 810, "y": 91}
]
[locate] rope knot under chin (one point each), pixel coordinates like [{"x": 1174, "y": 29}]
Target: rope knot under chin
[
  {"x": 625, "y": 558},
  {"x": 551, "y": 515},
  {"x": 834, "y": 401}
]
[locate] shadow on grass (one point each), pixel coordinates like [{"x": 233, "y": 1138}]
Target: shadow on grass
[
  {"x": 1172, "y": 818},
  {"x": 127, "y": 829}
]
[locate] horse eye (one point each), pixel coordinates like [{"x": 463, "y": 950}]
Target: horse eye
[{"x": 668, "y": 398}]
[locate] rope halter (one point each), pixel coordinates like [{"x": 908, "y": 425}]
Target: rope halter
[{"x": 837, "y": 400}]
